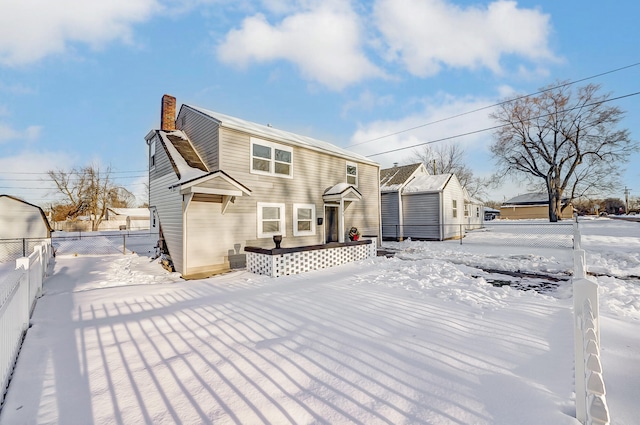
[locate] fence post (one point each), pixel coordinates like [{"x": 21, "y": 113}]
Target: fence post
[
  {"x": 24, "y": 263},
  {"x": 461, "y": 234},
  {"x": 124, "y": 244}
]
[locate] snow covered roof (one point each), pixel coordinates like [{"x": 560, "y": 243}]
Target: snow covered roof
[
  {"x": 428, "y": 183},
  {"x": 342, "y": 191},
  {"x": 280, "y": 135},
  {"x": 184, "y": 159},
  {"x": 131, "y": 212},
  {"x": 537, "y": 198},
  {"x": 392, "y": 179}
]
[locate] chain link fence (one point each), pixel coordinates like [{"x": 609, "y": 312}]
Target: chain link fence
[
  {"x": 99, "y": 243},
  {"x": 80, "y": 243},
  {"x": 500, "y": 233},
  {"x": 12, "y": 249}
]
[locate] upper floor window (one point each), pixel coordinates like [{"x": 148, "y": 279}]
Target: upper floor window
[
  {"x": 352, "y": 173},
  {"x": 152, "y": 155},
  {"x": 271, "y": 158},
  {"x": 454, "y": 204}
]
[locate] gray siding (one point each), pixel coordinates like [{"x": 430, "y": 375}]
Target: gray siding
[
  {"x": 162, "y": 166},
  {"x": 168, "y": 205},
  {"x": 313, "y": 172},
  {"x": 421, "y": 215},
  {"x": 212, "y": 238},
  {"x": 203, "y": 133},
  {"x": 390, "y": 215}
]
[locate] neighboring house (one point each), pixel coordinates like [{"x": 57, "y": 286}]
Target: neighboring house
[
  {"x": 491, "y": 213},
  {"x": 418, "y": 205},
  {"x": 473, "y": 211},
  {"x": 127, "y": 218},
  {"x": 218, "y": 184},
  {"x": 20, "y": 219},
  {"x": 530, "y": 205}
]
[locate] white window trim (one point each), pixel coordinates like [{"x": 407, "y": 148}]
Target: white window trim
[
  {"x": 454, "y": 208},
  {"x": 152, "y": 155},
  {"x": 261, "y": 233},
  {"x": 272, "y": 161},
  {"x": 297, "y": 232},
  {"x": 352, "y": 164}
]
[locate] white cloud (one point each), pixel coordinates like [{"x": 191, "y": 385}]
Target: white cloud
[
  {"x": 426, "y": 35},
  {"x": 324, "y": 41},
  {"x": 367, "y": 101},
  {"x": 29, "y": 134},
  {"x": 31, "y": 30},
  {"x": 429, "y": 124}
]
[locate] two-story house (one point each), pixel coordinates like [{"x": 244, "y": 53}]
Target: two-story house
[{"x": 218, "y": 184}]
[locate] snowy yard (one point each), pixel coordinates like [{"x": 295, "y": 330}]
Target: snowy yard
[{"x": 436, "y": 335}]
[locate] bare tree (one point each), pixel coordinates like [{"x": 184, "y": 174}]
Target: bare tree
[
  {"x": 567, "y": 141},
  {"x": 450, "y": 159},
  {"x": 88, "y": 191}
]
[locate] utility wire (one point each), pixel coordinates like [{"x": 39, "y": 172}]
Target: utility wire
[
  {"x": 495, "y": 104},
  {"x": 502, "y": 125}
]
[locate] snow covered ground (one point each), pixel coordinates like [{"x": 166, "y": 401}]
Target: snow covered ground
[{"x": 442, "y": 333}]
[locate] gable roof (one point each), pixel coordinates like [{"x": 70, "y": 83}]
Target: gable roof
[
  {"x": 268, "y": 132},
  {"x": 392, "y": 179},
  {"x": 428, "y": 183}
]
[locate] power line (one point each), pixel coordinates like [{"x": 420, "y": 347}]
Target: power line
[
  {"x": 111, "y": 172},
  {"x": 498, "y": 126},
  {"x": 495, "y": 104}
]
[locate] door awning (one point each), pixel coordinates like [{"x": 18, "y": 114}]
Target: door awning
[{"x": 341, "y": 192}]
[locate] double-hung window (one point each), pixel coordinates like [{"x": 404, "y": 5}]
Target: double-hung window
[
  {"x": 352, "y": 173},
  {"x": 271, "y": 158},
  {"x": 270, "y": 220},
  {"x": 454, "y": 204},
  {"x": 304, "y": 219}
]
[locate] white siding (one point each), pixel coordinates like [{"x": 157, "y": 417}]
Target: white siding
[
  {"x": 203, "y": 134},
  {"x": 453, "y": 190},
  {"x": 21, "y": 220}
]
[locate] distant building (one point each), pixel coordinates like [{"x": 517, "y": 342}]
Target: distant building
[{"x": 531, "y": 205}]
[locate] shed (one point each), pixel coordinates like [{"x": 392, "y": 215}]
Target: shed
[
  {"x": 417, "y": 205},
  {"x": 21, "y": 220}
]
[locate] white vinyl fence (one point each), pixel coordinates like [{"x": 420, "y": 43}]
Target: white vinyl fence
[
  {"x": 18, "y": 293},
  {"x": 591, "y": 404}
]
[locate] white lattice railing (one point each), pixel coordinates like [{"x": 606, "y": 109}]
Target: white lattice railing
[
  {"x": 591, "y": 403},
  {"x": 18, "y": 293},
  {"x": 290, "y": 261}
]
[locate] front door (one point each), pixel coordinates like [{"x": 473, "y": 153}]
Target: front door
[{"x": 331, "y": 224}]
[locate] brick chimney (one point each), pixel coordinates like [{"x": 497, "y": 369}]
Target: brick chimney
[{"x": 168, "y": 113}]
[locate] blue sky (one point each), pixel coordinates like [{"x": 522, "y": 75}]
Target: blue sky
[{"x": 81, "y": 82}]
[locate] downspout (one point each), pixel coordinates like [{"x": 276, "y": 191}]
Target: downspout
[
  {"x": 400, "y": 216},
  {"x": 441, "y": 197},
  {"x": 186, "y": 201}
]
